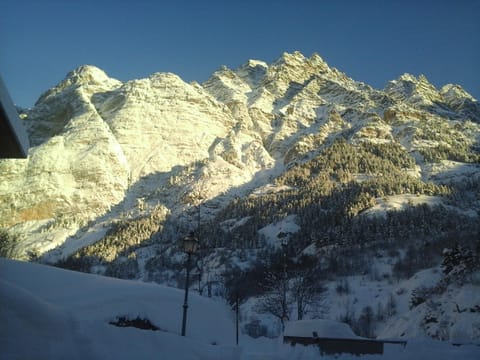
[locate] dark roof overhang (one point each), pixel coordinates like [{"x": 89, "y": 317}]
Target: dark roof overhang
[{"x": 13, "y": 137}]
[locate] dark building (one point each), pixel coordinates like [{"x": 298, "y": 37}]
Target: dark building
[
  {"x": 332, "y": 338},
  {"x": 13, "y": 137}
]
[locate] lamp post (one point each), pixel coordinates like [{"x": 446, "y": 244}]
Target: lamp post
[
  {"x": 190, "y": 246},
  {"x": 285, "y": 285}
]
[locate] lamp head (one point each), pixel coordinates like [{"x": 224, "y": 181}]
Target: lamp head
[{"x": 190, "y": 243}]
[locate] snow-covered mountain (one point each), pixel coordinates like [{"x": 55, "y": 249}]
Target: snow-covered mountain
[
  {"x": 99, "y": 145},
  {"x": 118, "y": 172}
]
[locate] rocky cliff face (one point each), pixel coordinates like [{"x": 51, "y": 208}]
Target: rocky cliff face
[
  {"x": 74, "y": 156},
  {"x": 103, "y": 149}
]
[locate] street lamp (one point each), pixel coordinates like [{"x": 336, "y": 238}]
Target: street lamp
[{"x": 190, "y": 246}]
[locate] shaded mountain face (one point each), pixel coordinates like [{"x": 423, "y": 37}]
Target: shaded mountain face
[{"x": 178, "y": 154}]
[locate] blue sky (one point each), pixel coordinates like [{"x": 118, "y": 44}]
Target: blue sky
[{"x": 371, "y": 41}]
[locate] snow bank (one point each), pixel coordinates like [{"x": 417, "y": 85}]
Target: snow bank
[
  {"x": 50, "y": 313},
  {"x": 31, "y": 328}
]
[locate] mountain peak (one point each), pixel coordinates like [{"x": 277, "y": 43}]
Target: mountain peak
[
  {"x": 407, "y": 77},
  {"x": 88, "y": 75},
  {"x": 290, "y": 58},
  {"x": 461, "y": 101},
  {"x": 316, "y": 59},
  {"x": 455, "y": 91},
  {"x": 252, "y": 63},
  {"x": 84, "y": 75},
  {"x": 413, "y": 90},
  {"x": 314, "y": 64},
  {"x": 410, "y": 79},
  {"x": 253, "y": 72}
]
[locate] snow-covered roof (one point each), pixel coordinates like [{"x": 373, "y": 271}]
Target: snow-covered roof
[{"x": 322, "y": 327}]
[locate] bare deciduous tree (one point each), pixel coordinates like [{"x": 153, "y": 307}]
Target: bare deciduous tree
[
  {"x": 276, "y": 300},
  {"x": 305, "y": 289}
]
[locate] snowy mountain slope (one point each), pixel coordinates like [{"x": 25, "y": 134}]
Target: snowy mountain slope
[
  {"x": 96, "y": 137},
  {"x": 154, "y": 107},
  {"x": 451, "y": 316},
  {"x": 75, "y": 155}
]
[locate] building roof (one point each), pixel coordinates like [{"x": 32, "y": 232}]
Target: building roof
[
  {"x": 321, "y": 327},
  {"x": 13, "y": 137}
]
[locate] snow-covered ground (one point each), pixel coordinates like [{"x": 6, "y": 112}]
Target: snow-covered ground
[
  {"x": 401, "y": 202},
  {"x": 50, "y": 313}
]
